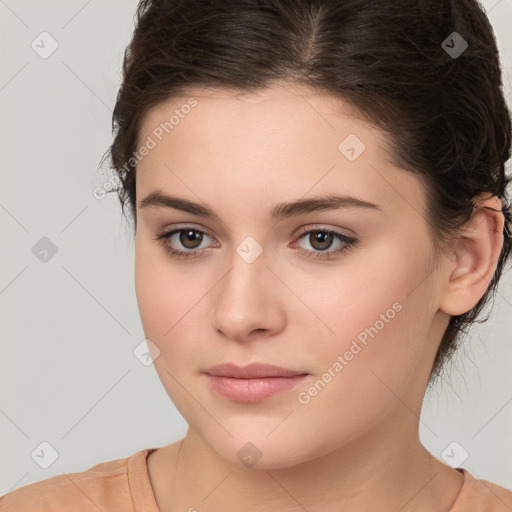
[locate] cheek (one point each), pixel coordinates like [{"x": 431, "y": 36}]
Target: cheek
[
  {"x": 167, "y": 301},
  {"x": 367, "y": 292},
  {"x": 164, "y": 295},
  {"x": 364, "y": 372},
  {"x": 164, "y": 291},
  {"x": 376, "y": 317}
]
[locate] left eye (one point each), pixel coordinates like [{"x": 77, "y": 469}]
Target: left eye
[
  {"x": 190, "y": 238},
  {"x": 322, "y": 240}
]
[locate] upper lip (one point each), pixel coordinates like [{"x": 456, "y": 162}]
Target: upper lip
[{"x": 251, "y": 371}]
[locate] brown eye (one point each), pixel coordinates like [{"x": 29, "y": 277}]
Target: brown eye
[
  {"x": 321, "y": 240},
  {"x": 183, "y": 243},
  {"x": 190, "y": 238},
  {"x": 320, "y": 243}
]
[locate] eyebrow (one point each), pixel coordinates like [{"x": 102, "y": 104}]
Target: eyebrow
[{"x": 280, "y": 211}]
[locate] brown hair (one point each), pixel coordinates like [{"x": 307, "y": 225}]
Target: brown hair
[{"x": 396, "y": 61}]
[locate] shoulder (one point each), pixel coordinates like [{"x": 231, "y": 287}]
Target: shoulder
[
  {"x": 105, "y": 486},
  {"x": 481, "y": 495}
]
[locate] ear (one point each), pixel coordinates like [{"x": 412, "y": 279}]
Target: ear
[{"x": 475, "y": 257}]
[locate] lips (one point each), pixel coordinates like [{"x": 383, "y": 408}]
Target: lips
[
  {"x": 251, "y": 371},
  {"x": 255, "y": 382}
]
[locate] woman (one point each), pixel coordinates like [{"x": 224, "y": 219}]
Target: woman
[{"x": 320, "y": 208}]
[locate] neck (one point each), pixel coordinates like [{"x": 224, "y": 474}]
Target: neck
[{"x": 385, "y": 469}]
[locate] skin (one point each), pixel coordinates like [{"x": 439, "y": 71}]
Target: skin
[{"x": 355, "y": 445}]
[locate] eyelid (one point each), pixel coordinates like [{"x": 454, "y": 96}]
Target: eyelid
[
  {"x": 182, "y": 227},
  {"x": 322, "y": 227}
]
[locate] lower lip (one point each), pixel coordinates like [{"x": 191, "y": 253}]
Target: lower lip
[{"x": 253, "y": 390}]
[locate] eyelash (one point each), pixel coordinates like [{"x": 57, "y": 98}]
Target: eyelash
[{"x": 320, "y": 255}]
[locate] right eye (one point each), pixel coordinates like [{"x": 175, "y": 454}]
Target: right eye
[{"x": 188, "y": 237}]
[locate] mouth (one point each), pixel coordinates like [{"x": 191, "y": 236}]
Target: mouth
[{"x": 252, "y": 383}]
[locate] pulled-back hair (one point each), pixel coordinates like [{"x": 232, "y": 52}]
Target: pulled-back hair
[{"x": 397, "y": 62}]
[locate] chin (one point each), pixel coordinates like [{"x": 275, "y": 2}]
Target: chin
[{"x": 257, "y": 451}]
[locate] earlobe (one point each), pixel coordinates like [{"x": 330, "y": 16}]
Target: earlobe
[{"x": 475, "y": 258}]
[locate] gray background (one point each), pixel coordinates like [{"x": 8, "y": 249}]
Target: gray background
[{"x": 68, "y": 373}]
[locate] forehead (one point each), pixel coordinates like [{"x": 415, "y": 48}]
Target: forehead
[
  {"x": 294, "y": 110},
  {"x": 285, "y": 138}
]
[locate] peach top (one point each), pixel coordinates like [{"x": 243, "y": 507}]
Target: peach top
[{"x": 123, "y": 485}]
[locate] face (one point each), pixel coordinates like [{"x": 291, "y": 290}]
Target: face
[{"x": 339, "y": 292}]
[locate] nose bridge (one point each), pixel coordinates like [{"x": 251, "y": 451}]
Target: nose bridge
[
  {"x": 244, "y": 300},
  {"x": 247, "y": 272}
]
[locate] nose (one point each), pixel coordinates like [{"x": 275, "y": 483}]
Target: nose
[{"x": 247, "y": 301}]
